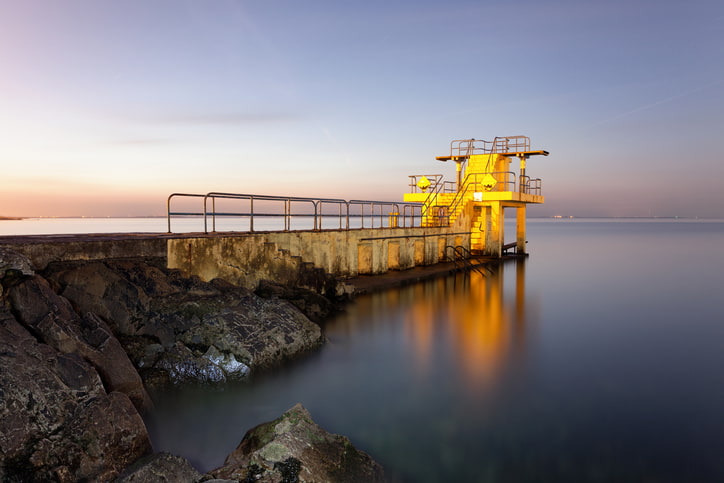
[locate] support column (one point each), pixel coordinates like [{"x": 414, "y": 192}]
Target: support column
[
  {"x": 494, "y": 235},
  {"x": 520, "y": 229}
]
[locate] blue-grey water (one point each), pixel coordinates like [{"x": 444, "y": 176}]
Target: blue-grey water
[
  {"x": 599, "y": 358},
  {"x": 194, "y": 224}
]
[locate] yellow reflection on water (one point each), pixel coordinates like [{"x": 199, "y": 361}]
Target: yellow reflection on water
[{"x": 478, "y": 319}]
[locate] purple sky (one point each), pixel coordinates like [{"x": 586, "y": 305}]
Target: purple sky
[{"x": 106, "y": 107}]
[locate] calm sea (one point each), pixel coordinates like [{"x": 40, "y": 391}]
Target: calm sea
[
  {"x": 64, "y": 226},
  {"x": 599, "y": 358}
]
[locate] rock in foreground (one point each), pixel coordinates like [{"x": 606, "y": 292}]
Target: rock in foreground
[
  {"x": 179, "y": 330},
  {"x": 160, "y": 467},
  {"x": 295, "y": 448},
  {"x": 57, "y": 422},
  {"x": 70, "y": 395}
]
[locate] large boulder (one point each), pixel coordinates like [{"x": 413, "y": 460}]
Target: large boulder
[
  {"x": 315, "y": 306},
  {"x": 57, "y": 422},
  {"x": 52, "y": 318},
  {"x": 160, "y": 467},
  {"x": 295, "y": 448},
  {"x": 177, "y": 329},
  {"x": 13, "y": 265},
  {"x": 12, "y": 261},
  {"x": 95, "y": 287}
]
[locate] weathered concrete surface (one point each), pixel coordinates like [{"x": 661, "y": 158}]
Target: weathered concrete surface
[
  {"x": 43, "y": 249},
  {"x": 310, "y": 259},
  {"x": 295, "y": 448},
  {"x": 285, "y": 256}
]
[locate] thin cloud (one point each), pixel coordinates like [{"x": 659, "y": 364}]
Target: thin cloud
[
  {"x": 138, "y": 142},
  {"x": 230, "y": 118},
  {"x": 657, "y": 103},
  {"x": 218, "y": 118}
]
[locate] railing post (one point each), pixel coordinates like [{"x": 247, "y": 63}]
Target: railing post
[
  {"x": 315, "y": 224},
  {"x": 168, "y": 212},
  {"x": 251, "y": 213},
  {"x": 213, "y": 214},
  {"x": 206, "y": 229},
  {"x": 287, "y": 212}
]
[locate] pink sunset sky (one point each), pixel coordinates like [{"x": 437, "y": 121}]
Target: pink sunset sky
[{"x": 107, "y": 107}]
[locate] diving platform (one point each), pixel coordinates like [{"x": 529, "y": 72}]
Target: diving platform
[
  {"x": 521, "y": 154},
  {"x": 486, "y": 184},
  {"x": 246, "y": 238}
]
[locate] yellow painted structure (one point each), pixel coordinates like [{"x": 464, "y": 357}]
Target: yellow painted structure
[{"x": 486, "y": 184}]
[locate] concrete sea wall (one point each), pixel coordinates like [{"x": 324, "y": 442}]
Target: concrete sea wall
[
  {"x": 312, "y": 259},
  {"x": 280, "y": 256}
]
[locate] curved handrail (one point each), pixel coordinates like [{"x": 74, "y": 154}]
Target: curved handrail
[{"x": 168, "y": 207}]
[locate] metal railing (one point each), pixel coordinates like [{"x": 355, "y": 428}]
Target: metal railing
[
  {"x": 437, "y": 184},
  {"x": 314, "y": 211},
  {"x": 432, "y": 195},
  {"x": 532, "y": 186},
  {"x": 462, "y": 257},
  {"x": 475, "y": 182},
  {"x": 504, "y": 144}
]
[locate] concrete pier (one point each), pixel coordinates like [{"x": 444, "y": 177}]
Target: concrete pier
[{"x": 247, "y": 258}]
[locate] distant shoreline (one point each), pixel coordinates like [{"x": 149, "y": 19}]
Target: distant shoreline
[{"x": 11, "y": 218}]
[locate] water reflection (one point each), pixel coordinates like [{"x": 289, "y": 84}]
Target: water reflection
[
  {"x": 473, "y": 325},
  {"x": 483, "y": 325},
  {"x": 576, "y": 365},
  {"x": 444, "y": 347},
  {"x": 447, "y": 355}
]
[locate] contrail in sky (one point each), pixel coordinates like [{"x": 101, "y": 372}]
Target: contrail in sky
[{"x": 657, "y": 103}]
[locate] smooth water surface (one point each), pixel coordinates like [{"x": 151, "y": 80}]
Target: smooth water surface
[
  {"x": 599, "y": 358},
  {"x": 195, "y": 224},
  {"x": 63, "y": 226}
]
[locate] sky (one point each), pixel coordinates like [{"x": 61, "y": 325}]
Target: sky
[{"x": 107, "y": 107}]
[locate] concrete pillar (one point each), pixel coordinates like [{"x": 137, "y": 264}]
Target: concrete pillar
[
  {"x": 393, "y": 256},
  {"x": 494, "y": 233},
  {"x": 520, "y": 228},
  {"x": 441, "y": 244},
  {"x": 419, "y": 254},
  {"x": 365, "y": 262}
]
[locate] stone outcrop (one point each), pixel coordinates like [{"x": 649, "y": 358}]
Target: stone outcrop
[
  {"x": 316, "y": 307},
  {"x": 178, "y": 329},
  {"x": 295, "y": 448},
  {"x": 13, "y": 264},
  {"x": 292, "y": 448},
  {"x": 74, "y": 338},
  {"x": 57, "y": 422},
  {"x": 52, "y": 319},
  {"x": 161, "y": 467}
]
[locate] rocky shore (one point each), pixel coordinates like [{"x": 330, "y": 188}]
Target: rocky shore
[{"x": 81, "y": 343}]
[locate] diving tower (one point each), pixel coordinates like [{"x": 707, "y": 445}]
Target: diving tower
[{"x": 485, "y": 186}]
